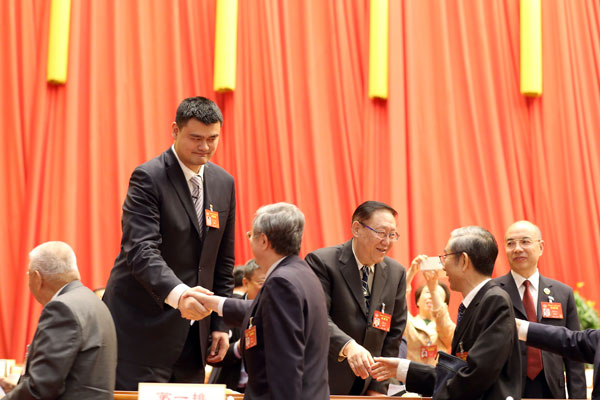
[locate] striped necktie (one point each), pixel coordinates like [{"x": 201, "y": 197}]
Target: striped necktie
[
  {"x": 365, "y": 284},
  {"x": 461, "y": 312},
  {"x": 534, "y": 355},
  {"x": 198, "y": 198}
]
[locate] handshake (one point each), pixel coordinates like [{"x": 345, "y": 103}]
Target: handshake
[{"x": 197, "y": 303}]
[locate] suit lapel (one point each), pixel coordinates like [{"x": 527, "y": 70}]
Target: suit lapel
[
  {"x": 349, "y": 270},
  {"x": 542, "y": 296},
  {"x": 178, "y": 181},
  {"x": 470, "y": 313},
  {"x": 508, "y": 284},
  {"x": 379, "y": 280}
]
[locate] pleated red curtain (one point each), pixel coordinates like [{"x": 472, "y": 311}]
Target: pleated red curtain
[{"x": 454, "y": 144}]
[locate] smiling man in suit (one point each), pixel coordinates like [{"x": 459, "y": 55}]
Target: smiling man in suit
[
  {"x": 540, "y": 299},
  {"x": 485, "y": 335},
  {"x": 178, "y": 233},
  {"x": 365, "y": 292}
]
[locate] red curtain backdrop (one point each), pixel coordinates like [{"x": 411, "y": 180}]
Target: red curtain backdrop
[{"x": 454, "y": 144}]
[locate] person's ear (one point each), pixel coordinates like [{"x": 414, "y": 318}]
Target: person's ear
[
  {"x": 355, "y": 228},
  {"x": 174, "y": 130}
]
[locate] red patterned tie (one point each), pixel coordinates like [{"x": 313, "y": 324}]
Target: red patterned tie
[{"x": 534, "y": 356}]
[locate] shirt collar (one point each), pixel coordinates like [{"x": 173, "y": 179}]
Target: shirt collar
[
  {"x": 272, "y": 267},
  {"x": 533, "y": 279},
  {"x": 188, "y": 173},
  {"x": 358, "y": 263},
  {"x": 471, "y": 295}
]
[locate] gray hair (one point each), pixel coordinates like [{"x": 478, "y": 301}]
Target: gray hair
[
  {"x": 283, "y": 224},
  {"x": 53, "y": 258},
  {"x": 479, "y": 244},
  {"x": 249, "y": 268}
]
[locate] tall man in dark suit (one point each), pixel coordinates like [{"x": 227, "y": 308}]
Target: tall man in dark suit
[
  {"x": 485, "y": 335},
  {"x": 363, "y": 287},
  {"x": 579, "y": 346},
  {"x": 73, "y": 354},
  {"x": 544, "y": 300},
  {"x": 285, "y": 336},
  {"x": 178, "y": 233}
]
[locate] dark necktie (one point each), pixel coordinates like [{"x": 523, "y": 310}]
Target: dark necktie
[
  {"x": 461, "y": 312},
  {"x": 198, "y": 198},
  {"x": 534, "y": 356},
  {"x": 365, "y": 284}
]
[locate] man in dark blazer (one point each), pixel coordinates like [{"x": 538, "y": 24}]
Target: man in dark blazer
[
  {"x": 579, "y": 346},
  {"x": 524, "y": 246},
  {"x": 354, "y": 307},
  {"x": 485, "y": 335},
  {"x": 73, "y": 354},
  {"x": 178, "y": 233},
  {"x": 285, "y": 336},
  {"x": 230, "y": 371}
]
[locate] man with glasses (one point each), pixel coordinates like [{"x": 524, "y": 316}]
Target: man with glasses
[
  {"x": 485, "y": 335},
  {"x": 540, "y": 299},
  {"x": 365, "y": 293}
]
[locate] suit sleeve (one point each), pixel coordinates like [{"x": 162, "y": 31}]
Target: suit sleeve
[
  {"x": 391, "y": 343},
  {"x": 574, "y": 370},
  {"x": 487, "y": 355},
  {"x": 575, "y": 345},
  {"x": 282, "y": 312},
  {"x": 142, "y": 237},
  {"x": 223, "y": 277},
  {"x": 56, "y": 344},
  {"x": 337, "y": 337}
]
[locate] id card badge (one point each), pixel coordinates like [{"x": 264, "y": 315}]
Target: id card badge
[
  {"x": 250, "y": 336},
  {"x": 381, "y": 320},
  {"x": 552, "y": 310},
  {"x": 212, "y": 218},
  {"x": 428, "y": 352}
]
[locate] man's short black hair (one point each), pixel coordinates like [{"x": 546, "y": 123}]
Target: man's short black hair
[
  {"x": 364, "y": 211},
  {"x": 200, "y": 108}
]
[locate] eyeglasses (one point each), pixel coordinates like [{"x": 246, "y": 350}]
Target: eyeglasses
[
  {"x": 443, "y": 256},
  {"x": 525, "y": 243},
  {"x": 392, "y": 236}
]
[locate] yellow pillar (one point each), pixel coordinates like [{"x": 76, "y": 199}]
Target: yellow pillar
[
  {"x": 379, "y": 49},
  {"x": 225, "y": 45},
  {"x": 531, "y": 48},
  {"x": 58, "y": 41}
]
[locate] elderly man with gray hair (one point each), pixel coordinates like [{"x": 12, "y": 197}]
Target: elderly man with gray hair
[
  {"x": 73, "y": 354},
  {"x": 285, "y": 340}
]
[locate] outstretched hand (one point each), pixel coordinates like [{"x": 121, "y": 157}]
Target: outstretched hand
[{"x": 384, "y": 368}]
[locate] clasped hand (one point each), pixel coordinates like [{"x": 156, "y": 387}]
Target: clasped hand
[{"x": 193, "y": 303}]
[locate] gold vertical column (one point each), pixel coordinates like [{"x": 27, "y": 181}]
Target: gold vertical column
[
  {"x": 225, "y": 45},
  {"x": 58, "y": 41},
  {"x": 379, "y": 49},
  {"x": 531, "y": 48}
]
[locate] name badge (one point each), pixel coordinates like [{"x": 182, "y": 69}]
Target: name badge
[
  {"x": 382, "y": 321},
  {"x": 428, "y": 351},
  {"x": 462, "y": 355},
  {"x": 552, "y": 310},
  {"x": 250, "y": 337},
  {"x": 212, "y": 218}
]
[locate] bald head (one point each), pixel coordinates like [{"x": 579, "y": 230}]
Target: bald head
[
  {"x": 524, "y": 246},
  {"x": 51, "y": 266}
]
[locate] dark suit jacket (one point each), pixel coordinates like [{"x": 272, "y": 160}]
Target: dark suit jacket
[
  {"x": 289, "y": 360},
  {"x": 487, "y": 332},
  {"x": 228, "y": 371},
  {"x": 161, "y": 248},
  {"x": 348, "y": 316},
  {"x": 576, "y": 345},
  {"x": 73, "y": 354},
  {"x": 553, "y": 363}
]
